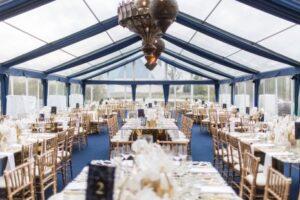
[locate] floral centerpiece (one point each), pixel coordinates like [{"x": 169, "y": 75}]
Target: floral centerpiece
[
  {"x": 6, "y": 136},
  {"x": 149, "y": 178}
]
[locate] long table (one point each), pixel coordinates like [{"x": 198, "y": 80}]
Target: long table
[{"x": 192, "y": 180}]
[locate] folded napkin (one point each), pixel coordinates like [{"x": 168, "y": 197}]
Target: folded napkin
[{"x": 76, "y": 186}]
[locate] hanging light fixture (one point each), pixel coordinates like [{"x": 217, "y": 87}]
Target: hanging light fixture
[{"x": 149, "y": 19}]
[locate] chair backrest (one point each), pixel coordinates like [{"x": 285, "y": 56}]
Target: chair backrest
[
  {"x": 110, "y": 126},
  {"x": 175, "y": 146},
  {"x": 61, "y": 140},
  {"x": 45, "y": 164},
  {"x": 69, "y": 140},
  {"x": 250, "y": 166},
  {"x": 234, "y": 149},
  {"x": 277, "y": 186},
  {"x": 20, "y": 180},
  {"x": 29, "y": 152}
]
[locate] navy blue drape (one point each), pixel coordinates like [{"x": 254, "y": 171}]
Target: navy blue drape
[
  {"x": 68, "y": 88},
  {"x": 166, "y": 89},
  {"x": 133, "y": 91},
  {"x": 45, "y": 91},
  {"x": 256, "y": 92},
  {"x": 232, "y": 93},
  {"x": 296, "y": 93},
  {"x": 4, "y": 92},
  {"x": 217, "y": 92}
]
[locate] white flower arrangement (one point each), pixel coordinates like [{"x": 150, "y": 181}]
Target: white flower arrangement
[{"x": 149, "y": 179}]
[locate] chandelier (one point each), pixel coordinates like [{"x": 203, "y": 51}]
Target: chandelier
[{"x": 150, "y": 19}]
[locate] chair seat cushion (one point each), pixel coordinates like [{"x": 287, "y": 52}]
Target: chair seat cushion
[
  {"x": 260, "y": 180},
  {"x": 61, "y": 154},
  {"x": 237, "y": 167},
  {"x": 46, "y": 172}
]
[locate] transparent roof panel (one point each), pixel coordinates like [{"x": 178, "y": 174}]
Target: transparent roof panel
[
  {"x": 118, "y": 33},
  {"x": 73, "y": 70},
  {"x": 200, "y": 70},
  {"x": 14, "y": 43},
  {"x": 55, "y": 20},
  {"x": 105, "y": 58},
  {"x": 180, "y": 31},
  {"x": 245, "y": 21},
  {"x": 172, "y": 47},
  {"x": 228, "y": 70},
  {"x": 256, "y": 62},
  {"x": 136, "y": 45},
  {"x": 88, "y": 45},
  {"x": 104, "y": 9},
  {"x": 47, "y": 61},
  {"x": 286, "y": 43},
  {"x": 213, "y": 45},
  {"x": 197, "y": 8},
  {"x": 196, "y": 58}
]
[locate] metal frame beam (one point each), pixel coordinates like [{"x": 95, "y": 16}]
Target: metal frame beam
[
  {"x": 104, "y": 64},
  {"x": 186, "y": 68},
  {"x": 12, "y": 8},
  {"x": 111, "y": 48},
  {"x": 149, "y": 82},
  {"x": 209, "y": 55},
  {"x": 63, "y": 42},
  {"x": 234, "y": 40},
  {"x": 196, "y": 64},
  {"x": 286, "y": 9}
]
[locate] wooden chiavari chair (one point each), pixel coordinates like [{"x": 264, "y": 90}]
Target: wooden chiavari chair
[
  {"x": 67, "y": 156},
  {"x": 223, "y": 119},
  {"x": 277, "y": 186},
  {"x": 61, "y": 147},
  {"x": 225, "y": 154},
  {"x": 19, "y": 182},
  {"x": 251, "y": 180},
  {"x": 122, "y": 113},
  {"x": 30, "y": 151},
  {"x": 174, "y": 146},
  {"x": 244, "y": 147},
  {"x": 235, "y": 161},
  {"x": 213, "y": 118},
  {"x": 217, "y": 151},
  {"x": 121, "y": 146},
  {"x": 46, "y": 173}
]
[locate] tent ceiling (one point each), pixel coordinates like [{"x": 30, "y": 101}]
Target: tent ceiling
[{"x": 49, "y": 39}]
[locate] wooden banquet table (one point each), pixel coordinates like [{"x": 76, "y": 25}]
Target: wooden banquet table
[{"x": 194, "y": 180}]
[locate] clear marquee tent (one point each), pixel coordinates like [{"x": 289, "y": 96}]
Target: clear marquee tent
[{"x": 63, "y": 52}]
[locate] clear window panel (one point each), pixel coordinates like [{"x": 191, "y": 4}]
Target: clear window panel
[
  {"x": 33, "y": 85},
  {"x": 51, "y": 87},
  {"x": 183, "y": 92},
  {"x": 286, "y": 43},
  {"x": 14, "y": 42},
  {"x": 157, "y": 93},
  {"x": 212, "y": 96},
  {"x": 19, "y": 85},
  {"x": 172, "y": 47},
  {"x": 213, "y": 45},
  {"x": 88, "y": 92},
  {"x": 137, "y": 45},
  {"x": 284, "y": 95},
  {"x": 105, "y": 58},
  {"x": 89, "y": 44},
  {"x": 142, "y": 92},
  {"x": 246, "y": 21},
  {"x": 100, "y": 92},
  {"x": 73, "y": 70},
  {"x": 55, "y": 20},
  {"x": 61, "y": 88},
  {"x": 117, "y": 91},
  {"x": 47, "y": 61},
  {"x": 200, "y": 92},
  {"x": 76, "y": 89},
  {"x": 180, "y": 31},
  {"x": 228, "y": 70}
]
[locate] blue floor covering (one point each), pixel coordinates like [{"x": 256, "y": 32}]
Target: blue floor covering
[{"x": 98, "y": 148}]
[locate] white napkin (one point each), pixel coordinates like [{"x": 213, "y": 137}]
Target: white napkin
[
  {"x": 203, "y": 170},
  {"x": 216, "y": 189}
]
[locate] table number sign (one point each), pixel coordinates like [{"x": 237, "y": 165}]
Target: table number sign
[
  {"x": 224, "y": 106},
  {"x": 53, "y": 110},
  {"x": 100, "y": 184},
  {"x": 248, "y": 110}
]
